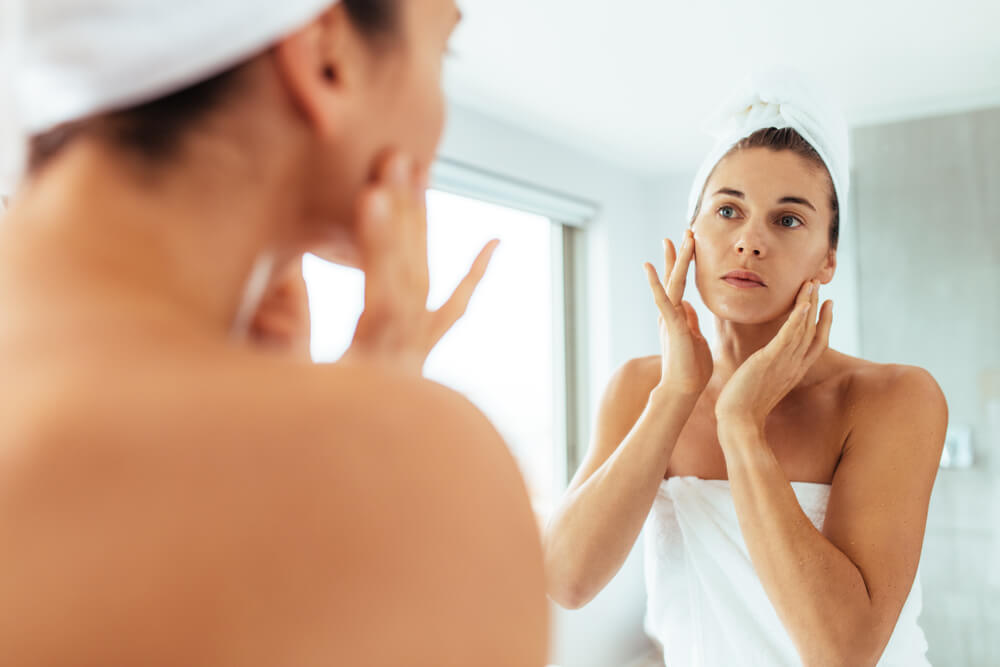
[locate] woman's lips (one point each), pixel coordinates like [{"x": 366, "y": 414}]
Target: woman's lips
[
  {"x": 742, "y": 283},
  {"x": 744, "y": 279}
]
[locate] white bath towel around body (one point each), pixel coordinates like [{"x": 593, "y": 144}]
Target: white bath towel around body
[{"x": 706, "y": 605}]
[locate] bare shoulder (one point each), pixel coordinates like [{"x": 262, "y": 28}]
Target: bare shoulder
[
  {"x": 881, "y": 397},
  {"x": 622, "y": 404},
  {"x": 635, "y": 379},
  {"x": 293, "y": 513},
  {"x": 624, "y": 400},
  {"x": 879, "y": 387}
]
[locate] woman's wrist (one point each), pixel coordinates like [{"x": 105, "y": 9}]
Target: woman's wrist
[
  {"x": 738, "y": 427},
  {"x": 665, "y": 396}
]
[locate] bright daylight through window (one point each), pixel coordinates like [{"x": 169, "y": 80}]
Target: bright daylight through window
[{"x": 502, "y": 354}]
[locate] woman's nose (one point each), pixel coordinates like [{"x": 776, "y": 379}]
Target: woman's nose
[
  {"x": 750, "y": 241},
  {"x": 744, "y": 248},
  {"x": 750, "y": 245}
]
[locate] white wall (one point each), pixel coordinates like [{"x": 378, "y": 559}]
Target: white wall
[
  {"x": 621, "y": 325},
  {"x": 930, "y": 268}
]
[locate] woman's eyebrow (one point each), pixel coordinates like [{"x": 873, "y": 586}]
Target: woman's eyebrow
[
  {"x": 783, "y": 200},
  {"x": 796, "y": 200}
]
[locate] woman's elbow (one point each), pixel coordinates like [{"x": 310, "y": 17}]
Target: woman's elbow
[
  {"x": 567, "y": 590},
  {"x": 568, "y": 597},
  {"x": 565, "y": 587}
]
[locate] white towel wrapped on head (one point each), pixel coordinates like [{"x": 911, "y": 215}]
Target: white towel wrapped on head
[
  {"x": 779, "y": 98},
  {"x": 69, "y": 59}
]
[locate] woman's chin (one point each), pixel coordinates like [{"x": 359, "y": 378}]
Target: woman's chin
[{"x": 742, "y": 313}]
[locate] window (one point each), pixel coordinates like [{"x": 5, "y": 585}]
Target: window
[{"x": 507, "y": 355}]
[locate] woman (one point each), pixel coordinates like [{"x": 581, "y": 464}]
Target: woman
[
  {"x": 179, "y": 485},
  {"x": 744, "y": 566}
]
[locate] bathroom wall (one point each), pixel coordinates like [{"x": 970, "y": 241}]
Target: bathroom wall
[{"x": 927, "y": 210}]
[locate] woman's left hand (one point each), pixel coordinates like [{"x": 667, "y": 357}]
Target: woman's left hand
[{"x": 764, "y": 379}]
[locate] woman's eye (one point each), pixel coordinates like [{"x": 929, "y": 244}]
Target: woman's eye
[
  {"x": 727, "y": 212},
  {"x": 790, "y": 221}
]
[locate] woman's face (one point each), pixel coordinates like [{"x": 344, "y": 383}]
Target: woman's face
[
  {"x": 766, "y": 212},
  {"x": 387, "y": 97},
  {"x": 405, "y": 104}
]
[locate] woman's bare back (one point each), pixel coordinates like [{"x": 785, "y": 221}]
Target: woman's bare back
[{"x": 171, "y": 499}]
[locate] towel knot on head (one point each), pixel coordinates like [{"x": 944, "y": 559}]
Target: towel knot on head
[{"x": 779, "y": 98}]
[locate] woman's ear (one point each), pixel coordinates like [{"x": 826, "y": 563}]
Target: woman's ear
[
  {"x": 312, "y": 64},
  {"x": 825, "y": 274}
]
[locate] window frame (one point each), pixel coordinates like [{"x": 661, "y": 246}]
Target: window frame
[{"x": 568, "y": 216}]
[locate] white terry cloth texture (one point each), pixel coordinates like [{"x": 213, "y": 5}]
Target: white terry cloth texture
[
  {"x": 706, "y": 605},
  {"x": 63, "y": 60},
  {"x": 779, "y": 97}
]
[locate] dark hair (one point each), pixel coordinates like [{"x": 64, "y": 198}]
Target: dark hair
[
  {"x": 787, "y": 139},
  {"x": 152, "y": 130}
]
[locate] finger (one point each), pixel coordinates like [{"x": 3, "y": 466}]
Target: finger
[
  {"x": 692, "y": 319},
  {"x": 401, "y": 176},
  {"x": 669, "y": 259},
  {"x": 659, "y": 294},
  {"x": 392, "y": 175},
  {"x": 678, "y": 277},
  {"x": 804, "y": 305},
  {"x": 419, "y": 183},
  {"x": 374, "y": 235},
  {"x": 458, "y": 303},
  {"x": 810, "y": 324},
  {"x": 791, "y": 331},
  {"x": 822, "y": 340}
]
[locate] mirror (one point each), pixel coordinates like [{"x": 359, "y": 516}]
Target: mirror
[{"x": 607, "y": 101}]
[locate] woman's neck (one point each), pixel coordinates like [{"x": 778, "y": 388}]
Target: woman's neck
[
  {"x": 736, "y": 342},
  {"x": 183, "y": 245}
]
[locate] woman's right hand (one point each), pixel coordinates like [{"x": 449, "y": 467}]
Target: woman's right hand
[
  {"x": 687, "y": 359},
  {"x": 396, "y": 329}
]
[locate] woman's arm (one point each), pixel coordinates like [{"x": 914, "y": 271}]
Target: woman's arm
[
  {"x": 595, "y": 526},
  {"x": 641, "y": 416},
  {"x": 838, "y": 592}
]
